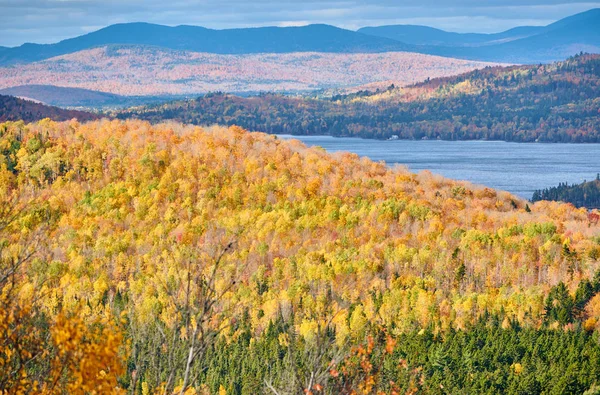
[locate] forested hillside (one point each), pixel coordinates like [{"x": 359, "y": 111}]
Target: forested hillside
[
  {"x": 129, "y": 70},
  {"x": 63, "y": 97},
  {"x": 172, "y": 258},
  {"x": 15, "y": 109},
  {"x": 586, "y": 194},
  {"x": 81, "y": 98},
  {"x": 551, "y": 103}
]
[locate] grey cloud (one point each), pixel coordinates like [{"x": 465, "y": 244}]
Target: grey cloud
[{"x": 47, "y": 21}]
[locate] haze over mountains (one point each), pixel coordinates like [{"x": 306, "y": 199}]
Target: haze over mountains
[
  {"x": 424, "y": 35},
  {"x": 311, "y": 38},
  {"x": 142, "y": 59},
  {"x": 557, "y": 41},
  {"x": 519, "y": 45},
  {"x": 579, "y": 29}
]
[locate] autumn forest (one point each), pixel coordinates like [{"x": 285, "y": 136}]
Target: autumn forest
[
  {"x": 547, "y": 103},
  {"x": 299, "y": 198},
  {"x": 174, "y": 259}
]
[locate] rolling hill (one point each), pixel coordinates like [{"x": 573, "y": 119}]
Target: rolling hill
[
  {"x": 161, "y": 253},
  {"x": 154, "y": 240},
  {"x": 61, "y": 97},
  {"x": 133, "y": 70},
  {"x": 552, "y": 103},
  {"x": 77, "y": 97},
  {"x": 15, "y": 109},
  {"x": 586, "y": 194}
]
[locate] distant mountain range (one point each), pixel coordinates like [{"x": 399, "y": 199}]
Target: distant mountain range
[
  {"x": 582, "y": 28},
  {"x": 557, "y": 41},
  {"x": 527, "y": 44},
  {"x": 312, "y": 38},
  {"x": 424, "y": 35}
]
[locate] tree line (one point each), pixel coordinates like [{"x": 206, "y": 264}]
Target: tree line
[
  {"x": 586, "y": 194},
  {"x": 549, "y": 103}
]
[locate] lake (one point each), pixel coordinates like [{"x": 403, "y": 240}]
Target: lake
[{"x": 520, "y": 168}]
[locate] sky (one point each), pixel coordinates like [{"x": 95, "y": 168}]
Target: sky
[{"x": 49, "y": 21}]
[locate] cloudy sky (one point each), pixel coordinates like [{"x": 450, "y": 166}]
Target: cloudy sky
[{"x": 46, "y": 21}]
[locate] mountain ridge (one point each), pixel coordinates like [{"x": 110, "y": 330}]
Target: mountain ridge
[
  {"x": 556, "y": 41},
  {"x": 524, "y": 44},
  {"x": 310, "y": 38},
  {"x": 422, "y": 35}
]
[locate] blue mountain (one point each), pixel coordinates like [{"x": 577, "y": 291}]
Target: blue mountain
[
  {"x": 424, "y": 35},
  {"x": 525, "y": 44},
  {"x": 311, "y": 38},
  {"x": 557, "y": 41}
]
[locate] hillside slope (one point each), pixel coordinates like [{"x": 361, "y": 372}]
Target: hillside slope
[
  {"x": 558, "y": 102},
  {"x": 150, "y": 71},
  {"x": 77, "y": 97},
  {"x": 586, "y": 194},
  {"x": 15, "y": 109},
  {"x": 58, "y": 96},
  {"x": 262, "y": 252}
]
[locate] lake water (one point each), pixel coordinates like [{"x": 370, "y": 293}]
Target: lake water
[{"x": 520, "y": 168}]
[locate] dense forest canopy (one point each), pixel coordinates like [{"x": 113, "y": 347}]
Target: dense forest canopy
[
  {"x": 586, "y": 194},
  {"x": 16, "y": 109},
  {"x": 154, "y": 71},
  {"x": 547, "y": 103},
  {"x": 174, "y": 258}
]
